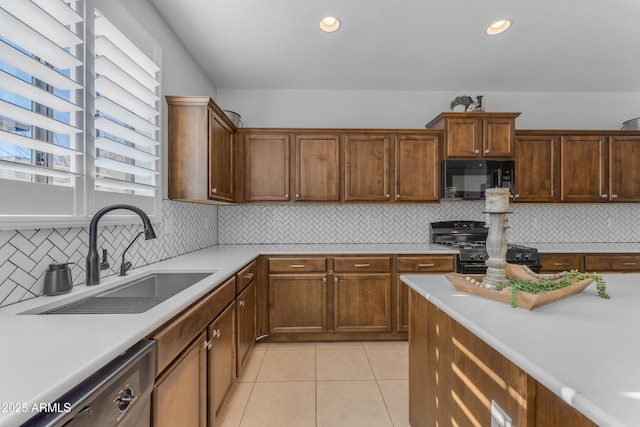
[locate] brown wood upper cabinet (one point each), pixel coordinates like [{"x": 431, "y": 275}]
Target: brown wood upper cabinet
[
  {"x": 583, "y": 168},
  {"x": 417, "y": 177},
  {"x": 266, "y": 163},
  {"x": 201, "y": 150},
  {"x": 537, "y": 169},
  {"x": 624, "y": 169},
  {"x": 476, "y": 134},
  {"x": 317, "y": 167},
  {"x": 367, "y": 166}
]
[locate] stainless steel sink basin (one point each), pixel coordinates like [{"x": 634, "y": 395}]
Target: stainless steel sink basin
[{"x": 136, "y": 296}]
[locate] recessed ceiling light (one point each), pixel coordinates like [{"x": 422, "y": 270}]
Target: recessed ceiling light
[
  {"x": 329, "y": 24},
  {"x": 498, "y": 27}
]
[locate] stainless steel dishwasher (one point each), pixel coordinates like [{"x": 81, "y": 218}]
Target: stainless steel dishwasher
[{"x": 119, "y": 394}]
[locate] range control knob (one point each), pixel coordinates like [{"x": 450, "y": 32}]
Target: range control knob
[
  {"x": 518, "y": 256},
  {"x": 527, "y": 256}
]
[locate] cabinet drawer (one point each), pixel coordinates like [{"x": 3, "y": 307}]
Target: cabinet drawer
[
  {"x": 426, "y": 264},
  {"x": 246, "y": 275},
  {"x": 297, "y": 265},
  {"x": 362, "y": 264},
  {"x": 619, "y": 263},
  {"x": 560, "y": 262},
  {"x": 173, "y": 337}
]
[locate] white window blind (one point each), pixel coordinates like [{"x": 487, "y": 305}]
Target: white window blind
[
  {"x": 127, "y": 112},
  {"x": 41, "y": 103}
]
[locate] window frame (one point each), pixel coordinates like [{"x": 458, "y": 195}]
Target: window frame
[{"x": 86, "y": 199}]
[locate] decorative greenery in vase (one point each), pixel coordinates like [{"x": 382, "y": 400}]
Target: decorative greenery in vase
[{"x": 464, "y": 100}]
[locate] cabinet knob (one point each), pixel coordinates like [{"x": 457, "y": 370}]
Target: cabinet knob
[
  {"x": 476, "y": 151},
  {"x": 614, "y": 196},
  {"x": 604, "y": 196},
  {"x": 516, "y": 196},
  {"x": 387, "y": 195},
  {"x": 397, "y": 196},
  {"x": 286, "y": 195},
  {"x": 297, "y": 196},
  {"x": 214, "y": 190}
]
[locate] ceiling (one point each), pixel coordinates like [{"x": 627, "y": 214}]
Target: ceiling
[{"x": 434, "y": 45}]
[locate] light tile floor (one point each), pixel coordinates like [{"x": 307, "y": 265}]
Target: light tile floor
[{"x": 350, "y": 384}]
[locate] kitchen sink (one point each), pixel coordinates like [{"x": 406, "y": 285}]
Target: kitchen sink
[{"x": 136, "y": 296}]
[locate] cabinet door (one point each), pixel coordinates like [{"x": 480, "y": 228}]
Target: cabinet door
[
  {"x": 366, "y": 167},
  {"x": 317, "y": 168},
  {"x": 362, "y": 302},
  {"x": 221, "y": 161},
  {"x": 247, "y": 327},
  {"x": 179, "y": 394},
  {"x": 582, "y": 161},
  {"x": 498, "y": 135},
  {"x": 536, "y": 175},
  {"x": 624, "y": 170},
  {"x": 417, "y": 172},
  {"x": 222, "y": 359},
  {"x": 464, "y": 137},
  {"x": 297, "y": 303},
  {"x": 266, "y": 167}
]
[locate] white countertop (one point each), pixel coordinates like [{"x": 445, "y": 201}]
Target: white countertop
[
  {"x": 583, "y": 348},
  {"x": 43, "y": 356},
  {"x": 584, "y": 248}
]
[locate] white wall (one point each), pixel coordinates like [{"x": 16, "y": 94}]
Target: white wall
[{"x": 413, "y": 109}]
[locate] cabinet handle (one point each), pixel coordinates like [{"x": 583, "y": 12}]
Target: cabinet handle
[
  {"x": 628, "y": 263},
  {"x": 335, "y": 280},
  {"x": 516, "y": 196},
  {"x": 216, "y": 334},
  {"x": 297, "y": 266},
  {"x": 397, "y": 196},
  {"x": 362, "y": 265},
  {"x": 604, "y": 196},
  {"x": 214, "y": 190},
  {"x": 558, "y": 264},
  {"x": 486, "y": 151},
  {"x": 297, "y": 196},
  {"x": 248, "y": 276},
  {"x": 241, "y": 303},
  {"x": 476, "y": 151},
  {"x": 425, "y": 265},
  {"x": 286, "y": 195},
  {"x": 324, "y": 280},
  {"x": 614, "y": 196},
  {"x": 208, "y": 344}
]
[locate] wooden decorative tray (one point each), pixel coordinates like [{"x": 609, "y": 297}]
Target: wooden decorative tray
[{"x": 525, "y": 299}]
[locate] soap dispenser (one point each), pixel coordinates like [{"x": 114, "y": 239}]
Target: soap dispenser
[{"x": 57, "y": 279}]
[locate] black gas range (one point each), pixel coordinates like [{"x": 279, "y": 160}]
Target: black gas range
[{"x": 469, "y": 238}]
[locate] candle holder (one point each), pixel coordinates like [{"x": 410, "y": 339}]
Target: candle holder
[{"x": 497, "y": 208}]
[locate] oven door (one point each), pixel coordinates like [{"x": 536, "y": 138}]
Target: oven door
[{"x": 471, "y": 267}]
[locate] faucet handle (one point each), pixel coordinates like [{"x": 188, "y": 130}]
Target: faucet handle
[{"x": 104, "y": 263}]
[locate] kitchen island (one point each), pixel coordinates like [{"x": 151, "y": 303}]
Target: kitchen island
[{"x": 582, "y": 350}]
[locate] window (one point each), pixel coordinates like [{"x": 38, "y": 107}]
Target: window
[{"x": 72, "y": 140}]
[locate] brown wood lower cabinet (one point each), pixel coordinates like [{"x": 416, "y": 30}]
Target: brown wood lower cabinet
[
  {"x": 247, "y": 331},
  {"x": 417, "y": 264},
  {"x": 362, "y": 302},
  {"x": 552, "y": 263},
  {"x": 454, "y": 376},
  {"x": 222, "y": 359},
  {"x": 612, "y": 263},
  {"x": 180, "y": 393},
  {"x": 196, "y": 363},
  {"x": 297, "y": 303}
]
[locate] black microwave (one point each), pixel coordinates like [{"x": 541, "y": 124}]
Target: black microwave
[{"x": 467, "y": 179}]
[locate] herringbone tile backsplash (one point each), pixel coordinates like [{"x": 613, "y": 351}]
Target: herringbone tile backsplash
[
  {"x": 26, "y": 254},
  {"x": 410, "y": 224}
]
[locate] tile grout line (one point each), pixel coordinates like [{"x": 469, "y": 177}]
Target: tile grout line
[{"x": 375, "y": 376}]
